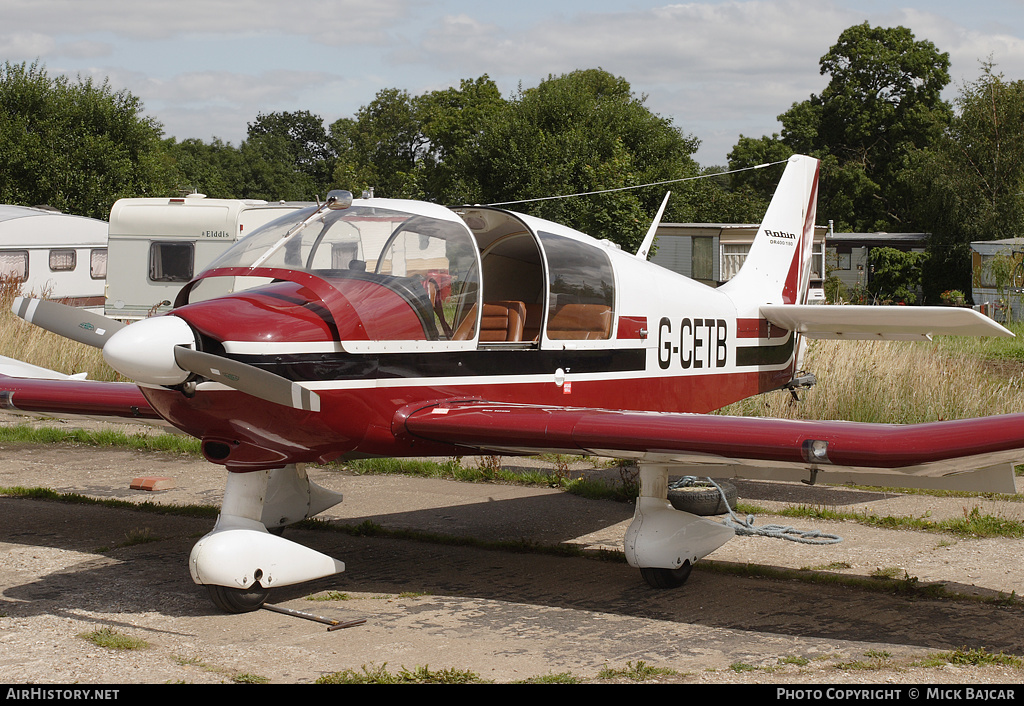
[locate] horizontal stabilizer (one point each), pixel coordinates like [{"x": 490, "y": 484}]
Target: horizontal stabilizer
[{"x": 897, "y": 323}]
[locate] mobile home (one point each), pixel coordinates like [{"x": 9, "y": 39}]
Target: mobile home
[
  {"x": 54, "y": 255},
  {"x": 156, "y": 245},
  {"x": 998, "y": 278}
]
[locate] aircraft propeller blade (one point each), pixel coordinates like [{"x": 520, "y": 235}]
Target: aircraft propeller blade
[
  {"x": 68, "y": 321},
  {"x": 247, "y": 378}
]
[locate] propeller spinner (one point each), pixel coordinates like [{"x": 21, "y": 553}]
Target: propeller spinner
[{"x": 160, "y": 351}]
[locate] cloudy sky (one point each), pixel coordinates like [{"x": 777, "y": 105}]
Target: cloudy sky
[{"x": 717, "y": 68}]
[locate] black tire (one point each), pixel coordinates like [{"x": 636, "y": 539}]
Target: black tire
[
  {"x": 667, "y": 578},
  {"x": 238, "y": 600},
  {"x": 702, "y": 498}
]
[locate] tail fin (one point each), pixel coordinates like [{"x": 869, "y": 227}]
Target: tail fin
[{"x": 777, "y": 269}]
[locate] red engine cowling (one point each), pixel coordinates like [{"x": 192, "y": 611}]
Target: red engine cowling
[{"x": 244, "y": 433}]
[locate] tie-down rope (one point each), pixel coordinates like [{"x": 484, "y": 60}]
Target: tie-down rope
[{"x": 746, "y": 527}]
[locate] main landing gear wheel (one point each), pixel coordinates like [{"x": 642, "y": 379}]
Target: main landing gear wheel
[
  {"x": 238, "y": 600},
  {"x": 667, "y": 578}
]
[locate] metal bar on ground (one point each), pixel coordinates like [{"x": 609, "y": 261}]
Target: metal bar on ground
[{"x": 334, "y": 624}]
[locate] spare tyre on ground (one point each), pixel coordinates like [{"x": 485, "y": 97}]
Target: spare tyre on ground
[{"x": 700, "y": 497}]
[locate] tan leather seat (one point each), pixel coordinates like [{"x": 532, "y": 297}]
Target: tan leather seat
[
  {"x": 502, "y": 322},
  {"x": 581, "y": 322}
]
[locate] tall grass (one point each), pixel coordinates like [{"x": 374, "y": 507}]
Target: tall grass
[
  {"x": 31, "y": 344},
  {"x": 903, "y": 382}
]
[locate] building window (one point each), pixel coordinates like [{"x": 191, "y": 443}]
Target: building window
[
  {"x": 733, "y": 257},
  {"x": 818, "y": 261},
  {"x": 62, "y": 260},
  {"x": 703, "y": 264}
]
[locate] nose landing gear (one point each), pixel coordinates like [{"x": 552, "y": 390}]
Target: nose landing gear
[{"x": 240, "y": 561}]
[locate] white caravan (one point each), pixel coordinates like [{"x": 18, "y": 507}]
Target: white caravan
[
  {"x": 54, "y": 255},
  {"x": 156, "y": 245}
]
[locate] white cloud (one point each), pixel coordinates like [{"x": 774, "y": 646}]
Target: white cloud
[
  {"x": 25, "y": 46},
  {"x": 324, "y": 20},
  {"x": 969, "y": 47},
  {"x": 221, "y": 104},
  {"x": 748, "y": 37},
  {"x": 272, "y": 87}
]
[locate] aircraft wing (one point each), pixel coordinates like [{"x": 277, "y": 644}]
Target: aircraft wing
[
  {"x": 907, "y": 323},
  {"x": 906, "y": 455},
  {"x": 33, "y": 390}
]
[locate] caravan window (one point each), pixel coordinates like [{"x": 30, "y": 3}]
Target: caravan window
[
  {"x": 171, "y": 262},
  {"x": 62, "y": 260},
  {"x": 14, "y": 264},
  {"x": 98, "y": 263}
]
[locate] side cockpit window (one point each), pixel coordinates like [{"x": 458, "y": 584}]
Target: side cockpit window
[
  {"x": 581, "y": 290},
  {"x": 438, "y": 260}
]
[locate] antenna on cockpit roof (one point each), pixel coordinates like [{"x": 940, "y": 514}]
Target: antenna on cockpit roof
[{"x": 645, "y": 247}]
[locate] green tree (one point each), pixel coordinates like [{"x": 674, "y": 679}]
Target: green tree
[
  {"x": 381, "y": 147},
  {"x": 75, "y": 145},
  {"x": 896, "y": 275},
  {"x": 881, "y": 104},
  {"x": 969, "y": 185},
  {"x": 286, "y": 156},
  {"x": 746, "y": 193},
  {"x": 751, "y": 152},
  {"x": 582, "y": 132},
  {"x": 453, "y": 121},
  {"x": 304, "y": 137},
  {"x": 406, "y": 146},
  {"x": 211, "y": 168}
]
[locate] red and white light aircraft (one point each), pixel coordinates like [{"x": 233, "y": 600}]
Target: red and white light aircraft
[{"x": 381, "y": 327}]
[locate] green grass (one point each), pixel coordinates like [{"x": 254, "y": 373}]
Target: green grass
[
  {"x": 205, "y": 511},
  {"x": 742, "y": 667},
  {"x": 246, "y": 678},
  {"x": 560, "y": 678},
  {"x": 418, "y": 675},
  {"x": 979, "y": 657},
  {"x": 988, "y": 348},
  {"x": 329, "y": 596},
  {"x": 166, "y": 443},
  {"x": 452, "y": 469},
  {"x": 898, "y": 382},
  {"x": 135, "y": 537},
  {"x": 973, "y": 523},
  {"x": 876, "y": 660},
  {"x": 113, "y": 640},
  {"x": 635, "y": 671}
]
